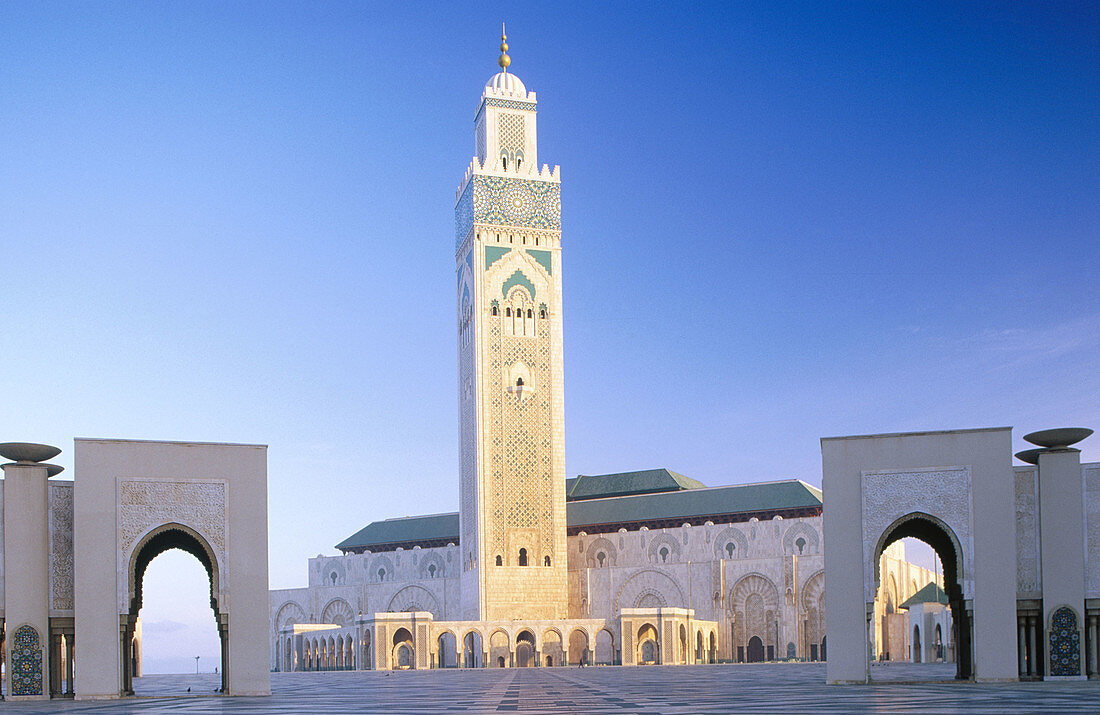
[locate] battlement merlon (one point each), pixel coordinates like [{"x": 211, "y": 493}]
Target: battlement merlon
[{"x": 477, "y": 168}]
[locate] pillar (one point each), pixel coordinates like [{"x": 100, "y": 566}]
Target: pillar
[
  {"x": 1061, "y": 543},
  {"x": 70, "y": 649},
  {"x": 1021, "y": 644},
  {"x": 26, "y": 554}
]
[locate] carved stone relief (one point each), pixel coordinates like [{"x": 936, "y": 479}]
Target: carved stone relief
[
  {"x": 147, "y": 503},
  {"x": 1027, "y": 538},
  {"x": 1092, "y": 532},
  {"x": 61, "y": 546},
  {"x": 941, "y": 492}
]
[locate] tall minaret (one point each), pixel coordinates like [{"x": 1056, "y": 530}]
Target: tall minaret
[{"x": 508, "y": 260}]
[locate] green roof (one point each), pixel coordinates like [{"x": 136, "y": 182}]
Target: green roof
[
  {"x": 685, "y": 504},
  {"x": 693, "y": 503},
  {"x": 648, "y": 481},
  {"x": 931, "y": 593},
  {"x": 391, "y": 533}
]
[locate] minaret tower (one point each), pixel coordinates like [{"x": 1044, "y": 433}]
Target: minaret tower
[{"x": 508, "y": 261}]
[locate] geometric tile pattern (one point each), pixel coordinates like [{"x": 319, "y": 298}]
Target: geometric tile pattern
[
  {"x": 510, "y": 134},
  {"x": 26, "y": 662},
  {"x": 704, "y": 689},
  {"x": 1065, "y": 643},
  {"x": 522, "y": 203},
  {"x": 504, "y": 104}
]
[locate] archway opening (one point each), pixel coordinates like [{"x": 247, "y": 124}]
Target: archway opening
[
  {"x": 551, "y": 647},
  {"x": 755, "y": 650},
  {"x": 648, "y": 650},
  {"x": 605, "y": 647},
  {"x": 919, "y": 552},
  {"x": 472, "y": 656},
  {"x": 403, "y": 654},
  {"x": 447, "y": 652},
  {"x": 500, "y": 651},
  {"x": 578, "y": 648},
  {"x": 174, "y": 572},
  {"x": 525, "y": 650}
]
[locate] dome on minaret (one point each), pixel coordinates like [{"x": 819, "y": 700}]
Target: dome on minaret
[{"x": 506, "y": 82}]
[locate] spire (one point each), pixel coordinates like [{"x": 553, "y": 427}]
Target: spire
[{"x": 504, "y": 60}]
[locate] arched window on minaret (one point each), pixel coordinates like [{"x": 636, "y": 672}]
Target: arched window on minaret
[
  {"x": 523, "y": 557},
  {"x": 500, "y": 560},
  {"x": 546, "y": 561}
]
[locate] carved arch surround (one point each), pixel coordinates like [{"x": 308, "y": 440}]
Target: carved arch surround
[
  {"x": 338, "y": 611},
  {"x": 146, "y": 506},
  {"x": 940, "y": 495},
  {"x": 649, "y": 582},
  {"x": 288, "y": 614},
  {"x": 162, "y": 538},
  {"x": 731, "y": 534},
  {"x": 414, "y": 598},
  {"x": 600, "y": 544}
]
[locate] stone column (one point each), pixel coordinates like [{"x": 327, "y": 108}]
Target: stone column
[
  {"x": 1061, "y": 519},
  {"x": 1033, "y": 645},
  {"x": 55, "y": 664},
  {"x": 1021, "y": 643},
  {"x": 26, "y": 555},
  {"x": 70, "y": 643}
]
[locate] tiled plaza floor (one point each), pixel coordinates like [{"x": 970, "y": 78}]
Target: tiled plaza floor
[{"x": 673, "y": 689}]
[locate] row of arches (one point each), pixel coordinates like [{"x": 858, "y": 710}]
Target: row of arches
[
  {"x": 704, "y": 648},
  {"x": 320, "y": 653},
  {"x": 526, "y": 649}
]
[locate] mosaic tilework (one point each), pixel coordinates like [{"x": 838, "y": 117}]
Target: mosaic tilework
[
  {"x": 519, "y": 279},
  {"x": 504, "y": 104},
  {"x": 543, "y": 258},
  {"x": 26, "y": 662},
  {"x": 523, "y": 203},
  {"x": 510, "y": 133},
  {"x": 1065, "y": 643}
]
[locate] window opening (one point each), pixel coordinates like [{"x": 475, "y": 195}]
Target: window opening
[
  {"x": 523, "y": 557},
  {"x": 546, "y": 561},
  {"x": 664, "y": 553},
  {"x": 730, "y": 548},
  {"x": 500, "y": 561}
]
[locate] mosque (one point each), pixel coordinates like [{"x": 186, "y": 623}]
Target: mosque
[{"x": 645, "y": 567}]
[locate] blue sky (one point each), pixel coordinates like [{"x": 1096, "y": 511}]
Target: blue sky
[{"x": 233, "y": 222}]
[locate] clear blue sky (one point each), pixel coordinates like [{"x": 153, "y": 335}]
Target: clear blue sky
[{"x": 234, "y": 222}]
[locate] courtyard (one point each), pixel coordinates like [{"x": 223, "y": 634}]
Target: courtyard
[{"x": 664, "y": 689}]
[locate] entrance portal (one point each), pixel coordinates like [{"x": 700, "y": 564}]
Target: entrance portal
[
  {"x": 134, "y": 500},
  {"x": 165, "y": 538},
  {"x": 943, "y": 541}
]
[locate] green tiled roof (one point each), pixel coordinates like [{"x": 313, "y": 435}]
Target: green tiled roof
[
  {"x": 648, "y": 481},
  {"x": 397, "y": 532},
  {"x": 688, "y": 502},
  {"x": 929, "y": 594}
]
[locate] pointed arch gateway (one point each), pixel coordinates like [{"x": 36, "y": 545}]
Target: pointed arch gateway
[
  {"x": 943, "y": 540},
  {"x": 172, "y": 535}
]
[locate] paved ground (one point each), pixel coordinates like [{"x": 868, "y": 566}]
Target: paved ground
[{"x": 707, "y": 689}]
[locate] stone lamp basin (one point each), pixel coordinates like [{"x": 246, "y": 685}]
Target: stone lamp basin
[
  {"x": 28, "y": 451},
  {"x": 1061, "y": 437},
  {"x": 1031, "y": 456}
]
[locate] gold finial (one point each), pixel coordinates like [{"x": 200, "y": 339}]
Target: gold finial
[{"x": 504, "y": 60}]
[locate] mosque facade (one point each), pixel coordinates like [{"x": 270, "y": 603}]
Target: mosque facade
[{"x": 647, "y": 567}]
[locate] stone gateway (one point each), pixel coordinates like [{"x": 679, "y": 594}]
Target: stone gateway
[{"x": 75, "y": 554}]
